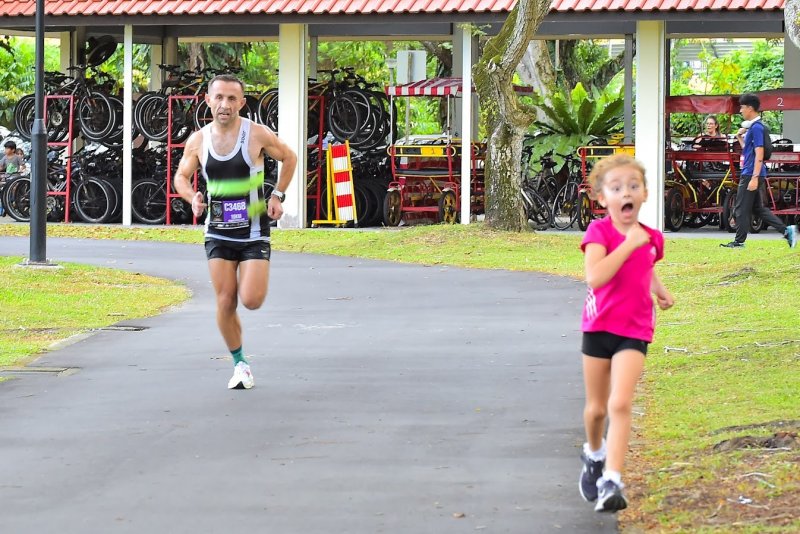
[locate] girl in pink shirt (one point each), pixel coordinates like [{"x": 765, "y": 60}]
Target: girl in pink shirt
[{"x": 618, "y": 321}]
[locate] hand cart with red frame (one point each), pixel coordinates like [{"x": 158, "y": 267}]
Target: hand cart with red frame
[
  {"x": 587, "y": 207},
  {"x": 426, "y": 169},
  {"x": 702, "y": 180}
]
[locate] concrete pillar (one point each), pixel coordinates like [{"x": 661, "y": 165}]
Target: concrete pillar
[
  {"x": 313, "y": 53},
  {"x": 650, "y": 94},
  {"x": 79, "y": 46},
  {"x": 65, "y": 51},
  {"x": 791, "y": 78},
  {"x": 628, "y": 113},
  {"x": 292, "y": 111},
  {"x": 127, "y": 124},
  {"x": 170, "y": 51},
  {"x": 464, "y": 115},
  {"x": 458, "y": 69},
  {"x": 156, "y": 58}
]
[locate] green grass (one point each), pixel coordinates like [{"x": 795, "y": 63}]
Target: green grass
[
  {"x": 727, "y": 354},
  {"x": 41, "y": 306}
]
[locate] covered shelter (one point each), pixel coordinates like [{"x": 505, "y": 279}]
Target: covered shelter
[{"x": 296, "y": 24}]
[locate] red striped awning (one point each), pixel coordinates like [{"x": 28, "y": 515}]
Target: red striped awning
[
  {"x": 433, "y": 87},
  {"x": 438, "y": 87}
]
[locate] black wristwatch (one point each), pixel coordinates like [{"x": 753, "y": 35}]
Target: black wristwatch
[{"x": 280, "y": 195}]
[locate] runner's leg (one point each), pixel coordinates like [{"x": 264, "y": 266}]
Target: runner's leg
[
  {"x": 626, "y": 369},
  {"x": 596, "y": 379},
  {"x": 253, "y": 282},
  {"x": 223, "y": 278}
]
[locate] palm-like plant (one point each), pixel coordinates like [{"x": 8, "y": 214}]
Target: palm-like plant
[{"x": 573, "y": 119}]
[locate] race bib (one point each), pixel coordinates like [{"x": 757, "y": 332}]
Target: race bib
[{"x": 229, "y": 213}]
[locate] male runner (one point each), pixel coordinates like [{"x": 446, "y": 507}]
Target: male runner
[{"x": 230, "y": 153}]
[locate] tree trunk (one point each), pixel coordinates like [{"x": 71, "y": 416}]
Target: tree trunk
[
  {"x": 507, "y": 118},
  {"x": 572, "y": 70},
  {"x": 195, "y": 56},
  {"x": 536, "y": 69},
  {"x": 791, "y": 17},
  {"x": 503, "y": 157}
]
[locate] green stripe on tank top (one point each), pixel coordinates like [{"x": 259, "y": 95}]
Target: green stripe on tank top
[{"x": 235, "y": 186}]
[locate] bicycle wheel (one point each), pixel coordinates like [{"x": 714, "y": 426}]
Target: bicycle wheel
[
  {"x": 565, "y": 206},
  {"x": 674, "y": 212},
  {"x": 58, "y": 114},
  {"x": 24, "y": 113},
  {"x": 54, "y": 207},
  {"x": 149, "y": 201},
  {"x": 92, "y": 200},
  {"x": 17, "y": 198},
  {"x": 151, "y": 116},
  {"x": 448, "y": 210},
  {"x": 585, "y": 214},
  {"x": 729, "y": 215},
  {"x": 537, "y": 211},
  {"x": 96, "y": 116},
  {"x": 344, "y": 118},
  {"x": 263, "y": 103},
  {"x": 271, "y": 114},
  {"x": 202, "y": 114},
  {"x": 392, "y": 208}
]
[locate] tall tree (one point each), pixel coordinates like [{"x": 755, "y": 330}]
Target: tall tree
[
  {"x": 791, "y": 17},
  {"x": 507, "y": 117},
  {"x": 583, "y": 62}
]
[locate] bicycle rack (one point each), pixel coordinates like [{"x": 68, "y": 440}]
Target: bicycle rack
[
  {"x": 170, "y": 146},
  {"x": 68, "y": 144},
  {"x": 317, "y": 197}
]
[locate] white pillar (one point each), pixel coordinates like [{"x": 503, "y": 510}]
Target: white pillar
[
  {"x": 292, "y": 111},
  {"x": 65, "y": 50},
  {"x": 650, "y": 95},
  {"x": 127, "y": 124},
  {"x": 458, "y": 69},
  {"x": 156, "y": 55},
  {"x": 791, "y": 78},
  {"x": 466, "y": 120}
]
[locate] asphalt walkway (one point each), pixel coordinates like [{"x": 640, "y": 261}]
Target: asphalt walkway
[{"x": 389, "y": 398}]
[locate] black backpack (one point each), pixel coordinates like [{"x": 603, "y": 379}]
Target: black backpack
[{"x": 767, "y": 141}]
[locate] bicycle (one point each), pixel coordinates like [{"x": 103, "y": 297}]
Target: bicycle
[{"x": 566, "y": 202}]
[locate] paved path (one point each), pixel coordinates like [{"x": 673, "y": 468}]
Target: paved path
[{"x": 388, "y": 398}]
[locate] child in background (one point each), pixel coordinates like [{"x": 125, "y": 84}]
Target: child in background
[{"x": 617, "y": 323}]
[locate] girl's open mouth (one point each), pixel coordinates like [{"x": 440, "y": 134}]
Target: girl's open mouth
[{"x": 627, "y": 207}]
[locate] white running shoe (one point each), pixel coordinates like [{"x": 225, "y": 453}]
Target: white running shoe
[{"x": 242, "y": 377}]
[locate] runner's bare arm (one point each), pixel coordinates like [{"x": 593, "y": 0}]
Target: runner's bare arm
[{"x": 190, "y": 162}]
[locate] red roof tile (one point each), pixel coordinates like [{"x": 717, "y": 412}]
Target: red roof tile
[{"x": 11, "y": 8}]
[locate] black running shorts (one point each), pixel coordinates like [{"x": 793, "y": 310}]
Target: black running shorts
[
  {"x": 237, "y": 250},
  {"x": 606, "y": 345}
]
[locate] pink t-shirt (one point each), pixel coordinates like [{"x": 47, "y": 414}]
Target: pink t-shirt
[{"x": 623, "y": 306}]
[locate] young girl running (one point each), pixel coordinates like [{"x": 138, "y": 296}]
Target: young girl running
[{"x": 617, "y": 322}]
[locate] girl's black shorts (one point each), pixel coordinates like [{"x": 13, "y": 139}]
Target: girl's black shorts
[{"x": 606, "y": 345}]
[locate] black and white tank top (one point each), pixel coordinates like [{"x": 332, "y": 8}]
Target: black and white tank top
[{"x": 235, "y": 190}]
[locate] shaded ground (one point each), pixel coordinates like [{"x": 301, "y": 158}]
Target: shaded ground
[{"x": 389, "y": 398}]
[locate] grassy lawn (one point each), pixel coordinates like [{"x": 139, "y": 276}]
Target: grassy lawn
[
  {"x": 41, "y": 306},
  {"x": 725, "y": 363}
]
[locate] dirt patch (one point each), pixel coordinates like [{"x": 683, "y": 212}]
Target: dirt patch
[
  {"x": 779, "y": 440},
  {"x": 755, "y": 488},
  {"x": 779, "y": 424},
  {"x": 742, "y": 274}
]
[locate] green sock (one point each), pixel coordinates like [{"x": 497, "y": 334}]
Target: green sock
[{"x": 238, "y": 356}]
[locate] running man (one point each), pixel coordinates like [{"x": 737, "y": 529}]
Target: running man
[{"x": 230, "y": 153}]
